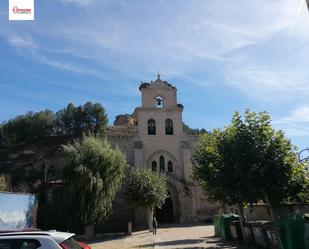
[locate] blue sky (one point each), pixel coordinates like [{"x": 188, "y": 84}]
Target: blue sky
[{"x": 222, "y": 55}]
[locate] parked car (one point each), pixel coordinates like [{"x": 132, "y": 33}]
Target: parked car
[{"x": 37, "y": 239}]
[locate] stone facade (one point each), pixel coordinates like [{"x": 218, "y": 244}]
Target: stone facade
[{"x": 153, "y": 137}]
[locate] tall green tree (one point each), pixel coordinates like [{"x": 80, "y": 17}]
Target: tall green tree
[
  {"x": 83, "y": 119},
  {"x": 71, "y": 121},
  {"x": 92, "y": 172},
  {"x": 145, "y": 188},
  {"x": 249, "y": 161},
  {"x": 28, "y": 127},
  {"x": 3, "y": 183}
]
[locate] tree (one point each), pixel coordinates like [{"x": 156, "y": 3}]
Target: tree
[
  {"x": 3, "y": 183},
  {"x": 3, "y": 139},
  {"x": 145, "y": 188},
  {"x": 92, "y": 173},
  {"x": 71, "y": 121},
  {"x": 192, "y": 131},
  {"x": 28, "y": 127},
  {"x": 248, "y": 161},
  {"x": 76, "y": 121}
]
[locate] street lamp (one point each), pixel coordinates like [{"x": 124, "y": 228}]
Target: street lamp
[{"x": 301, "y": 156}]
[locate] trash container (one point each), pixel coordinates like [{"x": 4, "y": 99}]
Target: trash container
[
  {"x": 235, "y": 230},
  {"x": 217, "y": 225},
  {"x": 248, "y": 233},
  {"x": 225, "y": 221},
  {"x": 292, "y": 232},
  {"x": 306, "y": 221},
  {"x": 259, "y": 234},
  {"x": 272, "y": 235}
]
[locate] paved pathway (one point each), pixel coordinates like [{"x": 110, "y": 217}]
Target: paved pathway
[{"x": 176, "y": 237}]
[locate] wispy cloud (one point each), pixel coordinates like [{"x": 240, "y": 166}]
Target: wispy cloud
[
  {"x": 139, "y": 38},
  {"x": 41, "y": 54},
  {"x": 21, "y": 42},
  {"x": 79, "y": 2},
  {"x": 258, "y": 48},
  {"x": 296, "y": 124}
]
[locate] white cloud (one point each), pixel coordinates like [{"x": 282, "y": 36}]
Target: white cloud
[
  {"x": 252, "y": 43},
  {"x": 21, "y": 42},
  {"x": 68, "y": 66},
  {"x": 41, "y": 54},
  {"x": 79, "y": 2},
  {"x": 299, "y": 115},
  {"x": 296, "y": 124}
]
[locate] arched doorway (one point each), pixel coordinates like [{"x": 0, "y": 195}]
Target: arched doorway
[{"x": 165, "y": 214}]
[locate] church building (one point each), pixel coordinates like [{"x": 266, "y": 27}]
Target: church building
[{"x": 153, "y": 137}]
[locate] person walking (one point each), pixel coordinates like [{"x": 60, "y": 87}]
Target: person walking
[{"x": 154, "y": 225}]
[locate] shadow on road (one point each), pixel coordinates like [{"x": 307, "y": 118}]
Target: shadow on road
[
  {"x": 174, "y": 243},
  {"x": 171, "y": 225},
  {"x": 210, "y": 243},
  {"x": 219, "y": 243}
]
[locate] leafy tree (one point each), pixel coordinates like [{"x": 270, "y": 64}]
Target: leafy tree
[
  {"x": 193, "y": 131},
  {"x": 92, "y": 173},
  {"x": 89, "y": 118},
  {"x": 65, "y": 120},
  {"x": 248, "y": 161},
  {"x": 3, "y": 183},
  {"x": 72, "y": 121},
  {"x": 3, "y": 139},
  {"x": 145, "y": 188},
  {"x": 29, "y": 126}
]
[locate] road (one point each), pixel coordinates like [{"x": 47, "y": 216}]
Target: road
[{"x": 175, "y": 237}]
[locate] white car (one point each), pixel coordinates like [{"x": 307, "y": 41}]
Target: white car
[{"x": 39, "y": 240}]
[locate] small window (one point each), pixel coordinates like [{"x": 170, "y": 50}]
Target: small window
[
  {"x": 159, "y": 102},
  {"x": 170, "y": 166},
  {"x": 151, "y": 127},
  {"x": 154, "y": 166},
  {"x": 169, "y": 127},
  {"x": 162, "y": 163}
]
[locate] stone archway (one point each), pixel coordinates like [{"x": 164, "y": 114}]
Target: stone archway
[
  {"x": 169, "y": 212},
  {"x": 165, "y": 214}
]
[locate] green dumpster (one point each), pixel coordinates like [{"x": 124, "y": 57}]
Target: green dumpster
[
  {"x": 225, "y": 221},
  {"x": 292, "y": 232},
  {"x": 217, "y": 225},
  {"x": 306, "y": 219}
]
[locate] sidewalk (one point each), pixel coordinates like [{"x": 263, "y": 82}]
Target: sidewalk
[{"x": 176, "y": 237}]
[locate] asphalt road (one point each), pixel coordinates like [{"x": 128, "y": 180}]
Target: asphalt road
[{"x": 168, "y": 237}]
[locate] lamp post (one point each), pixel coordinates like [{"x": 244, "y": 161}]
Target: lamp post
[{"x": 302, "y": 158}]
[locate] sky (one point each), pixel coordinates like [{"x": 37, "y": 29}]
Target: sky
[{"x": 222, "y": 55}]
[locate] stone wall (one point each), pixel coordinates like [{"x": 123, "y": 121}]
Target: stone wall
[{"x": 122, "y": 137}]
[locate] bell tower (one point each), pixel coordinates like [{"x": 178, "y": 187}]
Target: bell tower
[
  {"x": 159, "y": 114},
  {"x": 158, "y": 94}
]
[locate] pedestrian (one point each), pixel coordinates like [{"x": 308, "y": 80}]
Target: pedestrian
[{"x": 154, "y": 225}]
